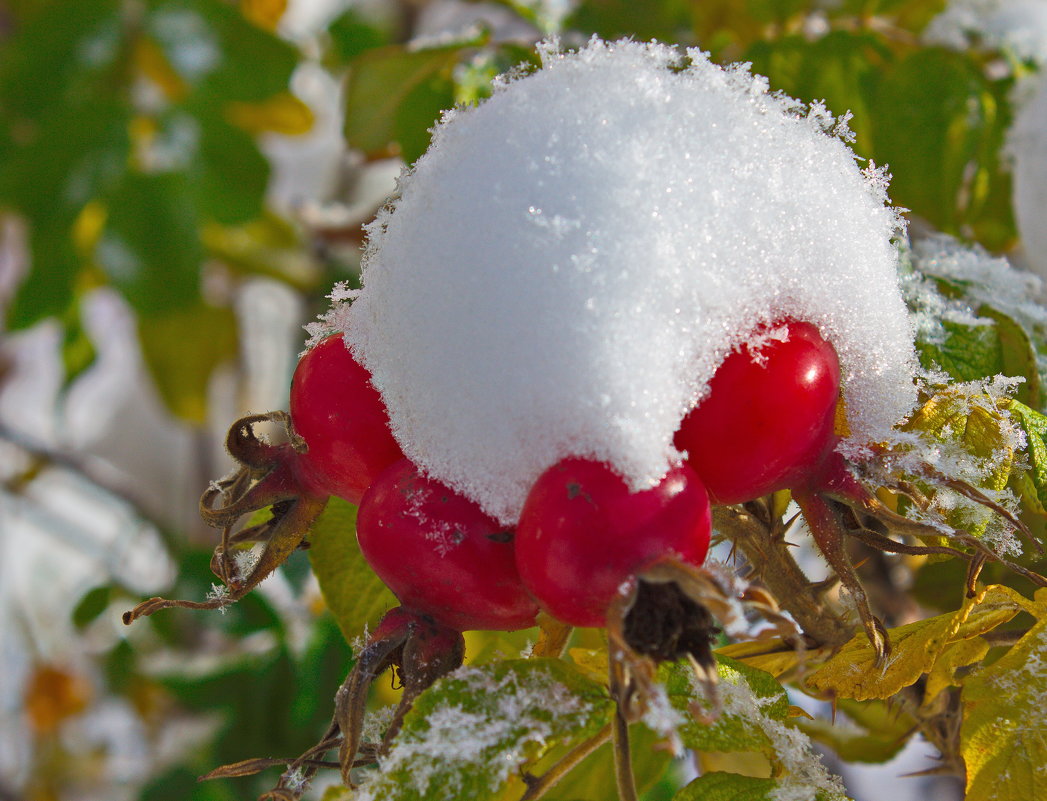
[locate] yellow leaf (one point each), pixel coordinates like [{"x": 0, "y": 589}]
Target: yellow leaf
[
  {"x": 590, "y": 662},
  {"x": 282, "y": 113},
  {"x": 265, "y": 14},
  {"x": 852, "y": 672},
  {"x": 955, "y": 656},
  {"x": 152, "y": 62},
  {"x": 1003, "y": 738},
  {"x": 771, "y": 655}
]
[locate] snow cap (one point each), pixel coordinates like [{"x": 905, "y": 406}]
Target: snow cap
[{"x": 565, "y": 268}]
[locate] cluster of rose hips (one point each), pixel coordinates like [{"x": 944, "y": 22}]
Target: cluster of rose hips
[
  {"x": 586, "y": 549},
  {"x": 766, "y": 425}
]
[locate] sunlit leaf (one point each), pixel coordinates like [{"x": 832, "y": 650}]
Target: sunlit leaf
[
  {"x": 353, "y": 592},
  {"x": 1003, "y": 738},
  {"x": 915, "y": 647}
]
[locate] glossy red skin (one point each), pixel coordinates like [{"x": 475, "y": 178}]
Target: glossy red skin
[
  {"x": 582, "y": 533},
  {"x": 440, "y": 554},
  {"x": 342, "y": 419},
  {"x": 765, "y": 426}
]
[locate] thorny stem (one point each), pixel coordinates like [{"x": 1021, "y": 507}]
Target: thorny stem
[
  {"x": 538, "y": 786},
  {"x": 769, "y": 556}
]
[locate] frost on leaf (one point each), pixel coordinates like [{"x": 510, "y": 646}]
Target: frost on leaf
[
  {"x": 1003, "y": 737},
  {"x": 755, "y": 708},
  {"x": 962, "y": 438},
  {"x": 564, "y": 270},
  {"x": 474, "y": 729}
]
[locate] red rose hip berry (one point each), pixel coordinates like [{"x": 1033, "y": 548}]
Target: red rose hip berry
[
  {"x": 342, "y": 419},
  {"x": 440, "y": 554},
  {"x": 767, "y": 423},
  {"x": 582, "y": 533}
]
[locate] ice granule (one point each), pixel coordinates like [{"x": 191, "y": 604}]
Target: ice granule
[
  {"x": 1018, "y": 26},
  {"x": 566, "y": 267}
]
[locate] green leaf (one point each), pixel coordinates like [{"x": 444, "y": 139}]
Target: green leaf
[
  {"x": 594, "y": 779},
  {"x": 1034, "y": 426},
  {"x": 150, "y": 247},
  {"x": 727, "y": 787},
  {"x": 720, "y": 786},
  {"x": 940, "y": 125},
  {"x": 969, "y": 352},
  {"x": 230, "y": 174},
  {"x": 352, "y": 34},
  {"x": 217, "y": 52},
  {"x": 667, "y": 20},
  {"x": 91, "y": 605},
  {"x": 876, "y": 732},
  {"x": 1003, "y": 738},
  {"x": 473, "y": 731},
  {"x": 59, "y": 56},
  {"x": 734, "y": 729},
  {"x": 395, "y": 95},
  {"x": 49, "y": 288},
  {"x": 838, "y": 68},
  {"x": 182, "y": 350},
  {"x": 353, "y": 592}
]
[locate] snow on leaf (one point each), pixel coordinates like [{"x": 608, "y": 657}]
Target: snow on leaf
[
  {"x": 915, "y": 647},
  {"x": 566, "y": 267},
  {"x": 755, "y": 710},
  {"x": 1003, "y": 738},
  {"x": 748, "y": 694},
  {"x": 475, "y": 728},
  {"x": 352, "y": 591},
  {"x": 1034, "y": 479}
]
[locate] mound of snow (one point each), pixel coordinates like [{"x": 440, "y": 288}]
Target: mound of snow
[{"x": 567, "y": 266}]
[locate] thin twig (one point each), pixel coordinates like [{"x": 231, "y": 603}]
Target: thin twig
[{"x": 538, "y": 786}]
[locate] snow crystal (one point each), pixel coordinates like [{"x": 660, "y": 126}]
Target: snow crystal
[
  {"x": 1028, "y": 147},
  {"x": 567, "y": 266},
  {"x": 1017, "y": 26}
]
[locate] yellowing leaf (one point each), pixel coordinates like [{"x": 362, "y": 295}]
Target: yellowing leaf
[
  {"x": 1003, "y": 738},
  {"x": 282, "y": 113},
  {"x": 852, "y": 672}
]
